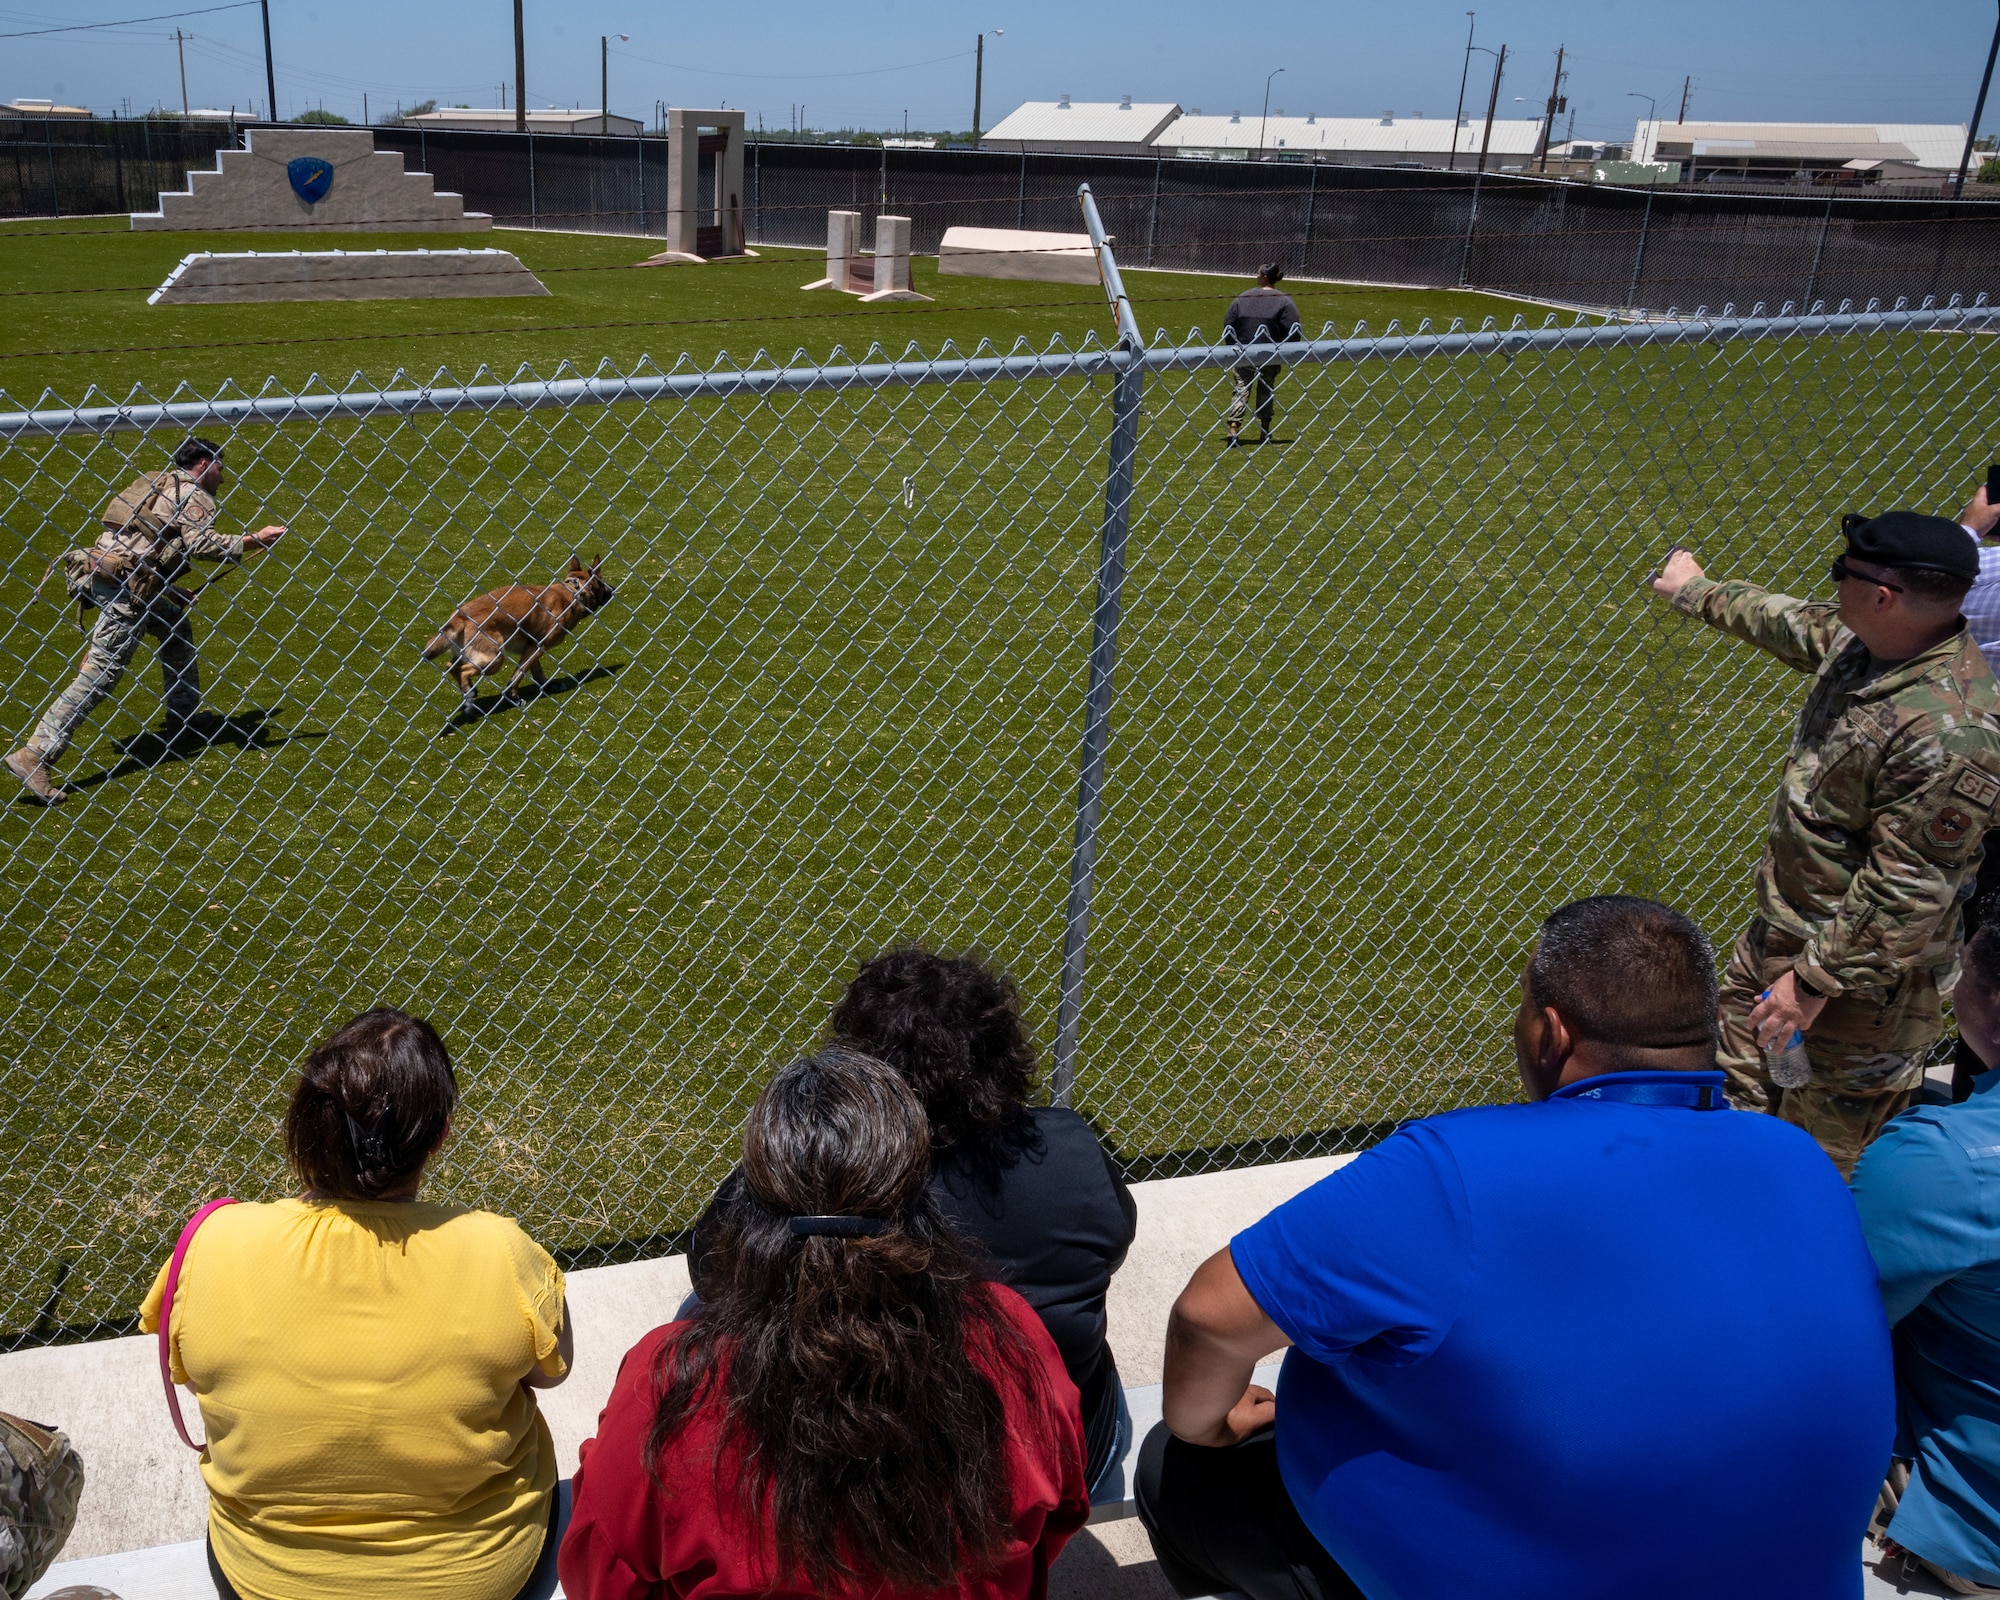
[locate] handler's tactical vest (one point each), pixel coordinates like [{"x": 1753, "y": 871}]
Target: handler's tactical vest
[{"x": 145, "y": 525}]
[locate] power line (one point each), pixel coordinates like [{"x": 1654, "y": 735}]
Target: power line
[
  {"x": 794, "y": 77},
  {"x": 130, "y": 22}
]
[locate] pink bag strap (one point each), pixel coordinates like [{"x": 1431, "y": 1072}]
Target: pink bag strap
[{"x": 167, "y": 1315}]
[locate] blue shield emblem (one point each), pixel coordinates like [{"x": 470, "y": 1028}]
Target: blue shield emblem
[{"x": 311, "y": 178}]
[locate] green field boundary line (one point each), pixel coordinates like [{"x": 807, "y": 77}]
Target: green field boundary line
[{"x": 569, "y": 393}]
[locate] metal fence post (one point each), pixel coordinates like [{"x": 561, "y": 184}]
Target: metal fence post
[
  {"x": 639, "y": 144},
  {"x": 1471, "y": 222},
  {"x": 1103, "y": 655},
  {"x": 1153, "y": 220},
  {"x": 49, "y": 144},
  {"x": 1021, "y": 200},
  {"x": 1819, "y": 252},
  {"x": 1639, "y": 255},
  {"x": 534, "y": 210},
  {"x": 757, "y": 185},
  {"x": 1312, "y": 202}
]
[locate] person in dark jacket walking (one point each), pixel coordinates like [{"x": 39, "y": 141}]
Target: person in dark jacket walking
[{"x": 1265, "y": 313}]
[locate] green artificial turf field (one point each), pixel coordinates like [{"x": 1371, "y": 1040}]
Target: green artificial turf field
[
  {"x": 1387, "y": 692},
  {"x": 74, "y": 293}
]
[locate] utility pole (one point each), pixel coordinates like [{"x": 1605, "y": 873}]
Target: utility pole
[
  {"x": 270, "y": 77},
  {"x": 520, "y": 72},
  {"x": 1464, "y": 72},
  {"x": 179, "y": 50},
  {"x": 1687, "y": 85},
  {"x": 1556, "y": 103},
  {"x": 1492, "y": 105},
  {"x": 364, "y": 110},
  {"x": 1978, "y": 110}
]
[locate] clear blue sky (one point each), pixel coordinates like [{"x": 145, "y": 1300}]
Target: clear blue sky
[{"x": 864, "y": 63}]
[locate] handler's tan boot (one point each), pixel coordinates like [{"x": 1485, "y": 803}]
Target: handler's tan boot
[{"x": 36, "y": 775}]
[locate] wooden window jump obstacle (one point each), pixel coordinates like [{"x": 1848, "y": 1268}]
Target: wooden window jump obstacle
[
  {"x": 698, "y": 233},
  {"x": 883, "y": 276}
]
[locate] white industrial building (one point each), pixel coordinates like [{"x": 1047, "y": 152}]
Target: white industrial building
[
  {"x": 1868, "y": 150},
  {"x": 1124, "y": 128},
  {"x": 552, "y": 120},
  {"x": 1092, "y": 128},
  {"x": 1387, "y": 140}
]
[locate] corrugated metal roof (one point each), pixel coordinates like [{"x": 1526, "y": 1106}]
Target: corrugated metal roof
[
  {"x": 1390, "y": 136},
  {"x": 1930, "y": 144},
  {"x": 1083, "y": 122},
  {"x": 501, "y": 119}
]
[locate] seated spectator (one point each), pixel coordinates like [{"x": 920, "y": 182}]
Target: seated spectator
[
  {"x": 1929, "y": 1194},
  {"x": 850, "y": 1409},
  {"x": 365, "y": 1361},
  {"x": 1030, "y": 1185},
  {"x": 1621, "y": 1340}
]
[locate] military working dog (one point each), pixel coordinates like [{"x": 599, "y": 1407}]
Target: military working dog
[{"x": 529, "y": 622}]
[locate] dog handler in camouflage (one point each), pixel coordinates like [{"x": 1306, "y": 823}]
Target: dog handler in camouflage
[
  {"x": 154, "y": 529},
  {"x": 1891, "y": 781}
]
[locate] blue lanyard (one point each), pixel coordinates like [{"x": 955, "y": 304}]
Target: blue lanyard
[{"x": 1696, "y": 1091}]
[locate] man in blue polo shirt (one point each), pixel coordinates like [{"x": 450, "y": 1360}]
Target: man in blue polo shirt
[{"x": 1621, "y": 1340}]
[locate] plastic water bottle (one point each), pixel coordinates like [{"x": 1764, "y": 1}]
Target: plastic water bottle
[{"x": 1788, "y": 1065}]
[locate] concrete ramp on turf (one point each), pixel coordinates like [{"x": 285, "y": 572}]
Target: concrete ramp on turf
[{"x": 1017, "y": 253}]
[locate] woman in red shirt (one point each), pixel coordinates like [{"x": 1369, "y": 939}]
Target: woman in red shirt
[{"x": 850, "y": 1411}]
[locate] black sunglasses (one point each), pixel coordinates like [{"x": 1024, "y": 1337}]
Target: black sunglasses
[{"x": 1842, "y": 571}]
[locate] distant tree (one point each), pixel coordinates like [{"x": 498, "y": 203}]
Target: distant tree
[
  {"x": 414, "y": 111},
  {"x": 1989, "y": 172},
  {"x": 321, "y": 115}
]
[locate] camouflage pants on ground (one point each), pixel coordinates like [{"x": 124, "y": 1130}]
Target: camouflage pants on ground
[
  {"x": 1263, "y": 382},
  {"x": 113, "y": 642},
  {"x": 1867, "y": 1049}
]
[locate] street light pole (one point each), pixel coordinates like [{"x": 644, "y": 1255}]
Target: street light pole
[
  {"x": 520, "y": 72},
  {"x": 979, "y": 78},
  {"x": 1651, "y": 117},
  {"x": 604, "y": 79},
  {"x": 1492, "y": 105},
  {"x": 1464, "y": 72},
  {"x": 1978, "y": 110},
  {"x": 270, "y": 78},
  {"x": 1266, "y": 117}
]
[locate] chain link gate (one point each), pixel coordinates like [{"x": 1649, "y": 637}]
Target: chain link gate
[{"x": 1365, "y": 703}]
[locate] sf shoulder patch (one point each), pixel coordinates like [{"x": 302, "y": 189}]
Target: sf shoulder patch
[
  {"x": 1954, "y": 813},
  {"x": 1980, "y": 788}
]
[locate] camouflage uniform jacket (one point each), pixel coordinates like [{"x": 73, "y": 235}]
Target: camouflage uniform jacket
[
  {"x": 1889, "y": 786},
  {"x": 162, "y": 524}
]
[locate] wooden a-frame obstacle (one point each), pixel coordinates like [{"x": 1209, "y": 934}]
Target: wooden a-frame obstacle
[
  {"x": 883, "y": 276},
  {"x": 698, "y": 233}
]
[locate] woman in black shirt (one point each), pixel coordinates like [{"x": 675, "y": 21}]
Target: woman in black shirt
[{"x": 1032, "y": 1186}]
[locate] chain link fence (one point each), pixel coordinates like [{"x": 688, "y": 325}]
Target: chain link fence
[{"x": 1365, "y": 700}]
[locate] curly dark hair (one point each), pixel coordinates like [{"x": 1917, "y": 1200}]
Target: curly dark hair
[
  {"x": 872, "y": 1447},
  {"x": 951, "y": 1025}
]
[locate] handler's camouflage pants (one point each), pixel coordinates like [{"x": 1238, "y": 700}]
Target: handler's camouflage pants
[
  {"x": 1263, "y": 382},
  {"x": 1867, "y": 1049},
  {"x": 113, "y": 642}
]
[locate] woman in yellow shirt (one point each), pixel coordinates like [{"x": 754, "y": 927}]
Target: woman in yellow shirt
[{"x": 365, "y": 1361}]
